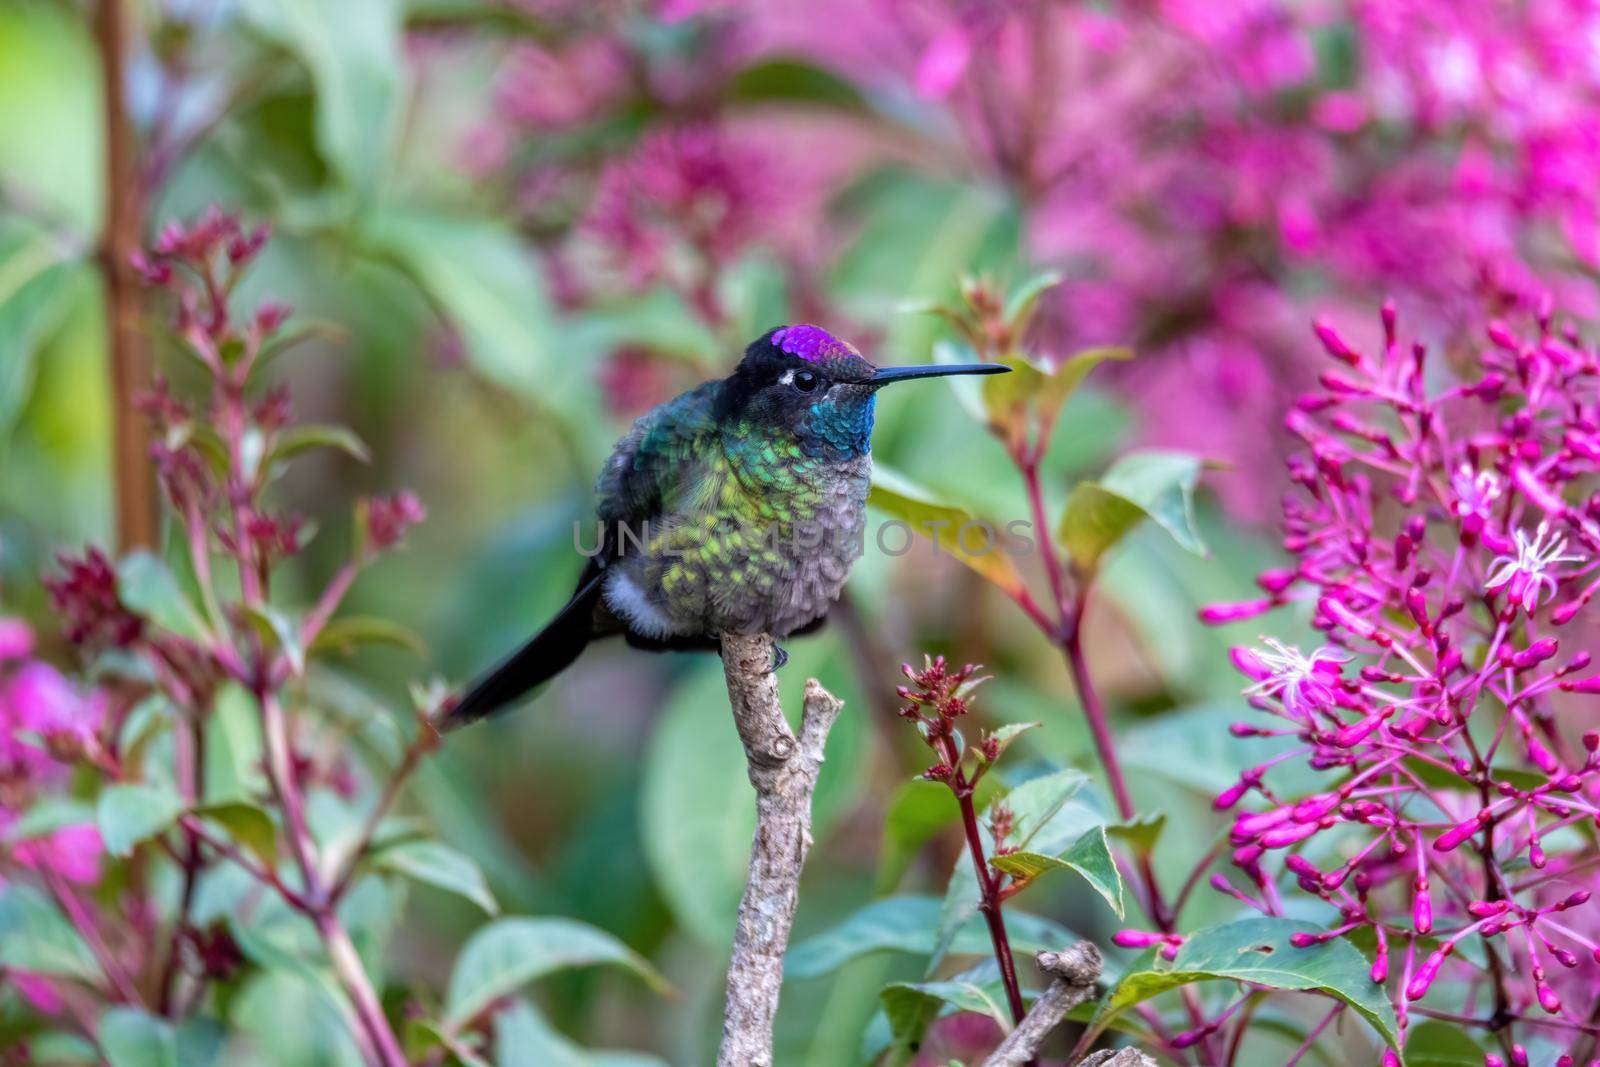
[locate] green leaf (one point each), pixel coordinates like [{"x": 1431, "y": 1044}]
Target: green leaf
[
  {"x": 1035, "y": 806},
  {"x": 952, "y": 529},
  {"x": 303, "y": 438},
  {"x": 1090, "y": 856},
  {"x": 47, "y": 815},
  {"x": 906, "y": 924},
  {"x": 522, "y": 1038},
  {"x": 38, "y": 284},
  {"x": 248, "y": 824},
  {"x": 146, "y": 586},
  {"x": 133, "y": 812},
  {"x": 354, "y": 56},
  {"x": 1141, "y": 831},
  {"x": 1432, "y": 1043},
  {"x": 911, "y": 1007},
  {"x": 1141, "y": 485},
  {"x": 485, "y": 281},
  {"x": 1024, "y": 299},
  {"x": 1032, "y": 396},
  {"x": 793, "y": 81},
  {"x": 918, "y": 810},
  {"x": 437, "y": 864},
  {"x": 277, "y": 631},
  {"x": 506, "y": 955},
  {"x": 1007, "y": 734},
  {"x": 347, "y": 632},
  {"x": 36, "y": 937},
  {"x": 234, "y": 747},
  {"x": 132, "y": 1038},
  {"x": 1256, "y": 951},
  {"x": 49, "y": 101}
]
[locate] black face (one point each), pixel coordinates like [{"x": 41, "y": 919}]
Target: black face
[
  {"x": 803, "y": 379},
  {"x": 785, "y": 389}
]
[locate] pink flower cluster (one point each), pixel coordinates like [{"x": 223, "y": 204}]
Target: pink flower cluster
[
  {"x": 1200, "y": 172},
  {"x": 46, "y": 724},
  {"x": 1446, "y": 538}
]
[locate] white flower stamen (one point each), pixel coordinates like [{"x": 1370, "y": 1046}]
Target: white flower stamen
[{"x": 1535, "y": 556}]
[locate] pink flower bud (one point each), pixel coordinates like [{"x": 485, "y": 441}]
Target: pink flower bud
[
  {"x": 1534, "y": 654},
  {"x": 1218, "y": 614},
  {"x": 1283, "y": 837},
  {"x": 1333, "y": 342},
  {"x": 1418, "y": 987},
  {"x": 1135, "y": 938},
  {"x": 1452, "y": 837}
]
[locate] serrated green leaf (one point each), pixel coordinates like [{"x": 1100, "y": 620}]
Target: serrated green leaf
[
  {"x": 1034, "y": 806},
  {"x": 954, "y": 530},
  {"x": 1141, "y": 485},
  {"x": 1090, "y": 856},
  {"x": 347, "y": 632},
  {"x": 1007, "y": 734},
  {"x": 146, "y": 586},
  {"x": 437, "y": 864},
  {"x": 1256, "y": 951},
  {"x": 509, "y": 953},
  {"x": 129, "y": 813}
]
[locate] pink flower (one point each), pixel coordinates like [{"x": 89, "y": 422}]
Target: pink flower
[
  {"x": 16, "y": 639},
  {"x": 1303, "y": 684},
  {"x": 1525, "y": 577},
  {"x": 1411, "y": 537}
]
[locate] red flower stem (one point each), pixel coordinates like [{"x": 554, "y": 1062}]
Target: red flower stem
[
  {"x": 121, "y": 981},
  {"x": 190, "y": 753},
  {"x": 341, "y": 951},
  {"x": 988, "y": 881},
  {"x": 426, "y": 740},
  {"x": 1056, "y": 574}
]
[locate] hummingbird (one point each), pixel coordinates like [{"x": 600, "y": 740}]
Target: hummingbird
[{"x": 736, "y": 507}]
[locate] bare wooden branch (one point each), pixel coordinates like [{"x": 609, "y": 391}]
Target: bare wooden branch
[
  {"x": 1119, "y": 1057},
  {"x": 783, "y": 769},
  {"x": 1073, "y": 972}
]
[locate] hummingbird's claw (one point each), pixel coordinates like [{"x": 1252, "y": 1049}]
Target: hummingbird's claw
[{"x": 780, "y": 656}]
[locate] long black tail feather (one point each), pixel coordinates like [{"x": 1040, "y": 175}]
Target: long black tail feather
[{"x": 546, "y": 654}]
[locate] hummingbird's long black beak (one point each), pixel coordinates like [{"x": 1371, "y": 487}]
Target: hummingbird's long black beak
[{"x": 886, "y": 375}]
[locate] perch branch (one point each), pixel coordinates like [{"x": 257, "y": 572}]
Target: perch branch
[
  {"x": 1073, "y": 973},
  {"x": 783, "y": 769}
]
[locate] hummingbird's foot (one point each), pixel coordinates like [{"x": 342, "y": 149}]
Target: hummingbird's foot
[{"x": 779, "y": 657}]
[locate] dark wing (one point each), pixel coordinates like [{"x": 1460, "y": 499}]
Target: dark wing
[
  {"x": 666, "y": 450},
  {"x": 660, "y": 454}
]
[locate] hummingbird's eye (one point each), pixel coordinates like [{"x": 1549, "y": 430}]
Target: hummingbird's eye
[{"x": 805, "y": 381}]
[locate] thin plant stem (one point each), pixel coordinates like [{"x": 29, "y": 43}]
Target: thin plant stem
[{"x": 988, "y": 883}]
